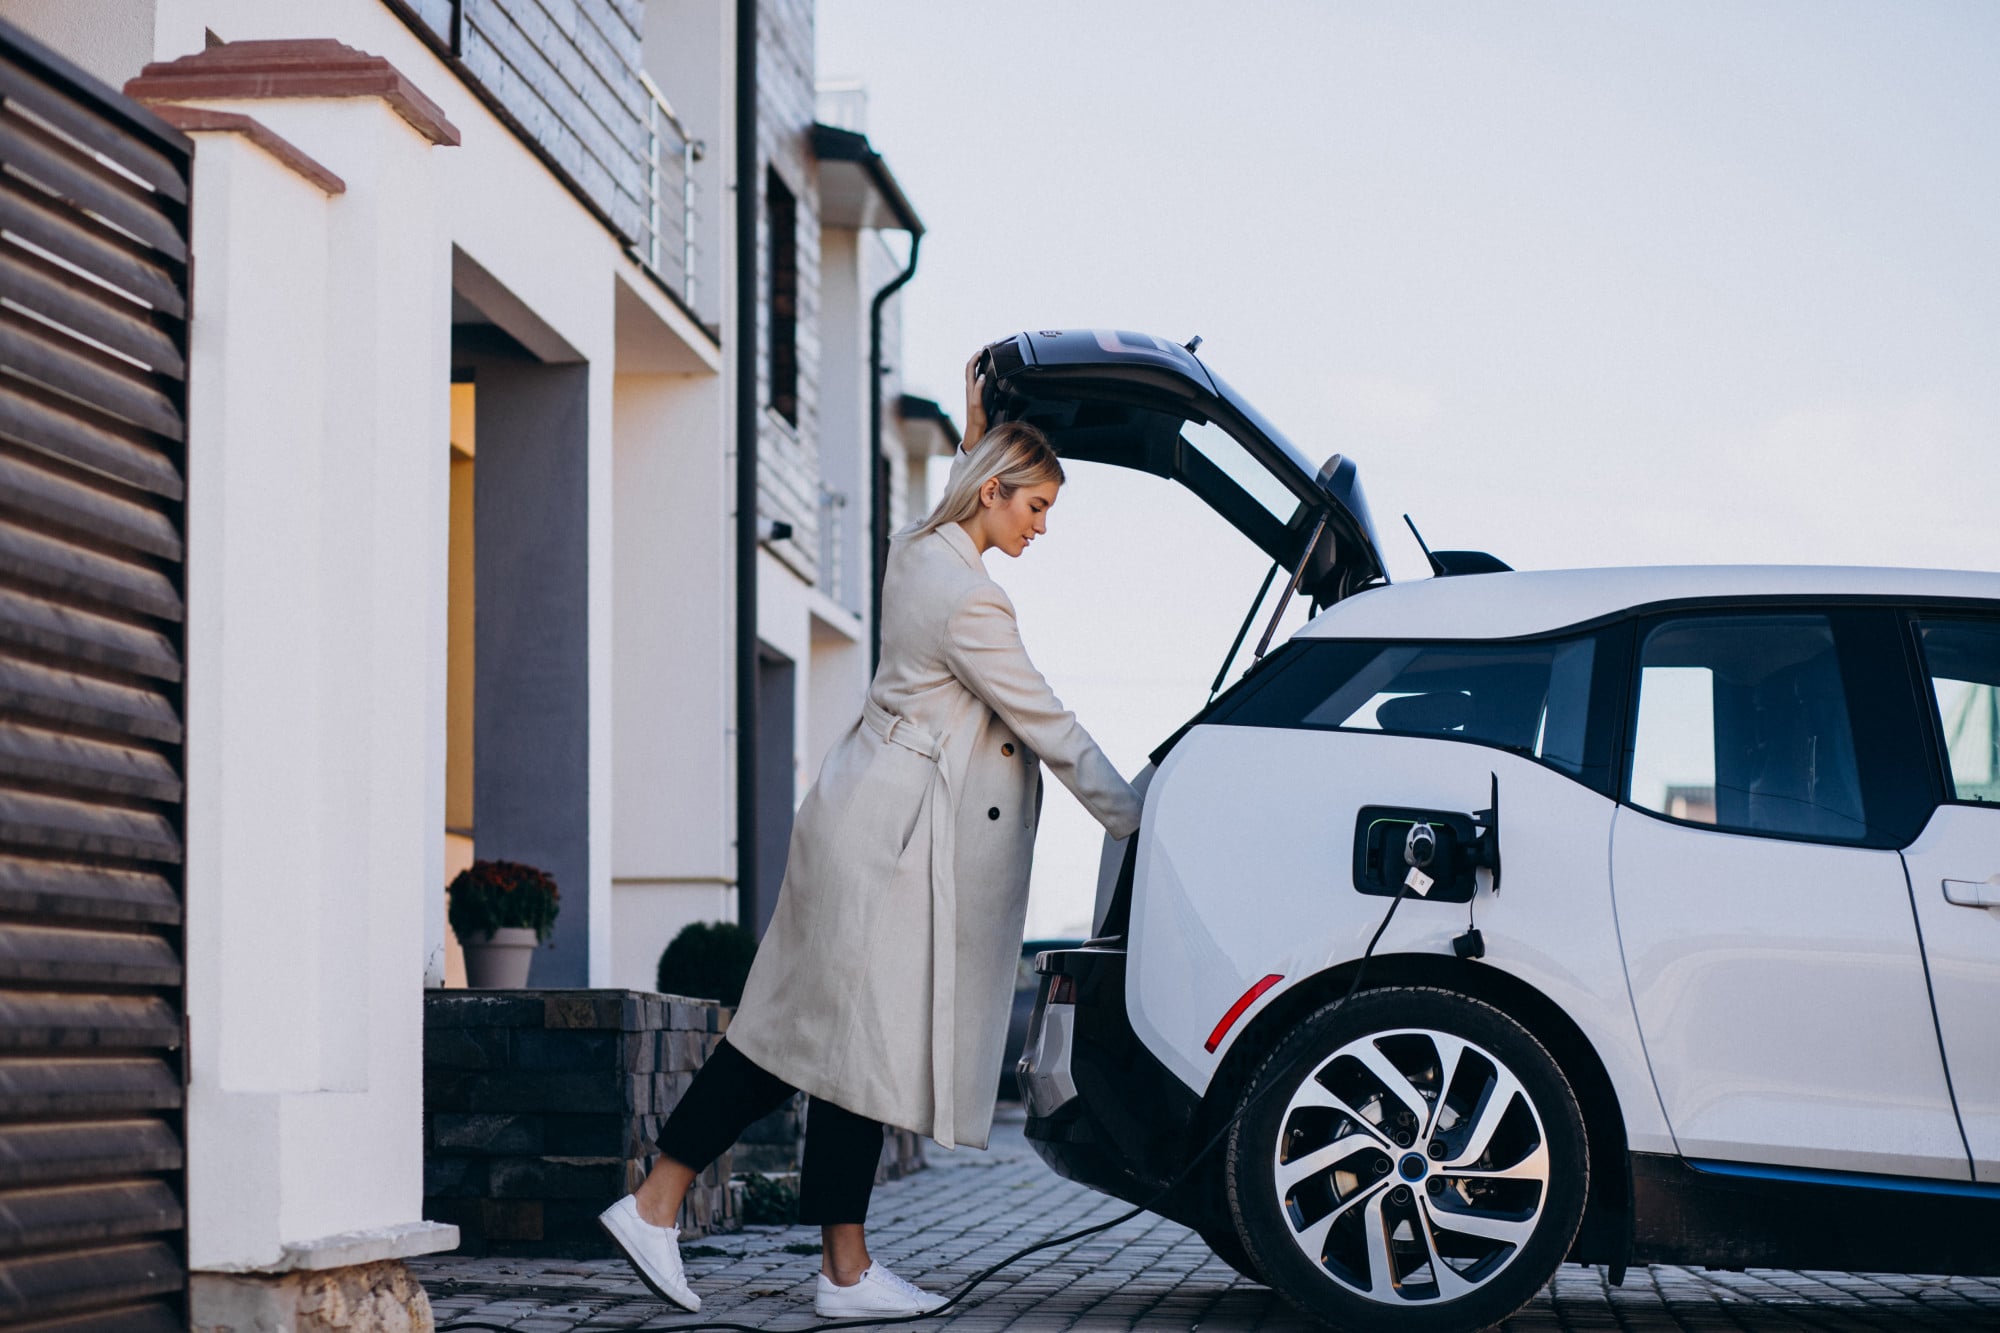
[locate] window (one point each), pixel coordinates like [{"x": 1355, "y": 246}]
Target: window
[
  {"x": 1743, "y": 724},
  {"x": 1533, "y": 698},
  {"x": 1219, "y": 447},
  {"x": 1962, "y": 660},
  {"x": 782, "y": 215}
]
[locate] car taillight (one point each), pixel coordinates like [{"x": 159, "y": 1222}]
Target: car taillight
[{"x": 1062, "y": 990}]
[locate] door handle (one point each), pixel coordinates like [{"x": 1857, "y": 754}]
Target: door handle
[{"x": 1973, "y": 893}]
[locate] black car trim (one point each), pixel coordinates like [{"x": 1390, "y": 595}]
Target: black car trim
[
  {"x": 1806, "y": 1175},
  {"x": 1943, "y": 790},
  {"x": 1117, "y": 921},
  {"x": 1751, "y": 1216},
  {"x": 1132, "y": 1124},
  {"x": 1939, "y": 760}
]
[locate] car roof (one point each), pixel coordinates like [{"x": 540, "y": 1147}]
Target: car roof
[{"x": 1525, "y": 602}]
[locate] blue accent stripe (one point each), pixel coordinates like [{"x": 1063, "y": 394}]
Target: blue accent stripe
[{"x": 1800, "y": 1175}]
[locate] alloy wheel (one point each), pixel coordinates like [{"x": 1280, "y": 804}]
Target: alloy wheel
[{"x": 1411, "y": 1166}]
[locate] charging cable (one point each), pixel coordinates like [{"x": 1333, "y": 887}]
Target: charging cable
[{"x": 985, "y": 1274}]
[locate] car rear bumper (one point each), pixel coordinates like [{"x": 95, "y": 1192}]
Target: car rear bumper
[{"x": 1101, "y": 1110}]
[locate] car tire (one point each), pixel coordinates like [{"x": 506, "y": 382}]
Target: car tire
[
  {"x": 1340, "y": 1164},
  {"x": 1228, "y": 1247}
]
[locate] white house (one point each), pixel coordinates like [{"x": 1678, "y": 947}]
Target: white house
[{"x": 473, "y": 341}]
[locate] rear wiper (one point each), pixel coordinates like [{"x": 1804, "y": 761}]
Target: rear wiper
[{"x": 1242, "y": 633}]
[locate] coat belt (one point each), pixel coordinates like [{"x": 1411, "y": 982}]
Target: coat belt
[{"x": 895, "y": 729}]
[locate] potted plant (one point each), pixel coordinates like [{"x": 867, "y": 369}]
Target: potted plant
[{"x": 500, "y": 910}]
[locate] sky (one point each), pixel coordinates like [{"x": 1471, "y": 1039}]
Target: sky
[{"x": 1577, "y": 284}]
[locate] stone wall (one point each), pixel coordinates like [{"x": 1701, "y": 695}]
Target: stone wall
[
  {"x": 541, "y": 1108},
  {"x": 360, "y": 1298}
]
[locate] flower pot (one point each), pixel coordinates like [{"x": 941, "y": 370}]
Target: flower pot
[{"x": 499, "y": 961}]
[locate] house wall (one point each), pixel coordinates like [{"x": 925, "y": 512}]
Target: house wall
[
  {"x": 839, "y": 681},
  {"x": 567, "y": 72},
  {"x": 318, "y": 592},
  {"x": 788, "y": 455},
  {"x": 674, "y": 810},
  {"x": 109, "y": 38},
  {"x": 843, "y": 419},
  {"x": 879, "y": 265}
]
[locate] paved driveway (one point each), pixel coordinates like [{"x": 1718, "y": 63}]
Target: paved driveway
[{"x": 971, "y": 1209}]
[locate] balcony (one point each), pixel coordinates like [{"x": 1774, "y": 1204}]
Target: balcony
[
  {"x": 668, "y": 246},
  {"x": 570, "y": 78}
]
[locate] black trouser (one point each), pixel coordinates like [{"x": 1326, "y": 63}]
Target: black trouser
[{"x": 728, "y": 1092}]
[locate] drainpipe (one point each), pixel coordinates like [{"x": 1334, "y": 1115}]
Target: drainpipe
[
  {"x": 878, "y": 515},
  {"x": 749, "y": 193}
]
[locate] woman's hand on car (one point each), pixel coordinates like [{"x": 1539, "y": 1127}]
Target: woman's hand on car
[{"x": 975, "y": 402}]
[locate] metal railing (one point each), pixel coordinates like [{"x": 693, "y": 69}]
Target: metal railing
[{"x": 668, "y": 245}]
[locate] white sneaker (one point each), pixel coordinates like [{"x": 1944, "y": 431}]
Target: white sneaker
[
  {"x": 655, "y": 1252},
  {"x": 879, "y": 1292}
]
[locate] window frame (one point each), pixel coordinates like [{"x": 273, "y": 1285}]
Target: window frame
[
  {"x": 1616, "y": 685},
  {"x": 1937, "y": 752},
  {"x": 1880, "y": 692},
  {"x": 781, "y": 297}
]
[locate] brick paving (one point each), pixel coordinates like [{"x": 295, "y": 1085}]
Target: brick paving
[{"x": 971, "y": 1209}]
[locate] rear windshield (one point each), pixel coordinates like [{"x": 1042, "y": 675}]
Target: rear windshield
[{"x": 1234, "y": 461}]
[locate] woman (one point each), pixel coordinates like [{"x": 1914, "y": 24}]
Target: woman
[{"x": 883, "y": 984}]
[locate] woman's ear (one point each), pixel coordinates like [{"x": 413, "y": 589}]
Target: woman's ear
[{"x": 989, "y": 494}]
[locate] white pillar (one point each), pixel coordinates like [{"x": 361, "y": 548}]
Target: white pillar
[{"x": 318, "y": 407}]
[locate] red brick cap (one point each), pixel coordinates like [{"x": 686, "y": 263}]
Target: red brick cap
[
  {"x": 197, "y": 120},
  {"x": 311, "y": 67}
]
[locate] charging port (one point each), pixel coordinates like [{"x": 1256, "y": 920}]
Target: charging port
[{"x": 1381, "y": 852}]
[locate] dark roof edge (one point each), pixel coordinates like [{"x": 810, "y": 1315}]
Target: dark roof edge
[
  {"x": 909, "y": 407},
  {"x": 833, "y": 144}
]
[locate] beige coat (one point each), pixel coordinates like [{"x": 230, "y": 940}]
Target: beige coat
[{"x": 884, "y": 982}]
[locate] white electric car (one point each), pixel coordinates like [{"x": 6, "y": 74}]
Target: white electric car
[{"x": 1695, "y": 949}]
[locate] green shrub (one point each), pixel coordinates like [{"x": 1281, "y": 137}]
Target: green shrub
[
  {"x": 769, "y": 1201},
  {"x": 708, "y": 960},
  {"x": 497, "y": 895}
]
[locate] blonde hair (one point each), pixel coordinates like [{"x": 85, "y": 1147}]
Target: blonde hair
[{"x": 1014, "y": 452}]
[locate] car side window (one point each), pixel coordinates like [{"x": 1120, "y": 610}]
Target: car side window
[
  {"x": 1530, "y": 697},
  {"x": 1742, "y": 723},
  {"x": 1962, "y": 663},
  {"x": 1533, "y": 698}
]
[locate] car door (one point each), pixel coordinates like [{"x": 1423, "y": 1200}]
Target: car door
[
  {"x": 1770, "y": 942},
  {"x": 1954, "y": 868}
]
